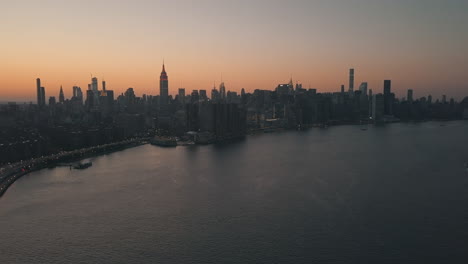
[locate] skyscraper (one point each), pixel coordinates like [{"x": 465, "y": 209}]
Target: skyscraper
[
  {"x": 203, "y": 95},
  {"x": 363, "y": 89},
  {"x": 387, "y": 97},
  {"x": 214, "y": 94},
  {"x": 43, "y": 96},
  {"x": 94, "y": 84},
  {"x": 77, "y": 94},
  {"x": 181, "y": 97},
  {"x": 38, "y": 91},
  {"x": 104, "y": 85},
  {"x": 387, "y": 87},
  {"x": 61, "y": 95},
  {"x": 351, "y": 81},
  {"x": 51, "y": 100},
  {"x": 410, "y": 95},
  {"x": 222, "y": 91},
  {"x": 163, "y": 87},
  {"x": 377, "y": 107},
  {"x": 371, "y": 98}
]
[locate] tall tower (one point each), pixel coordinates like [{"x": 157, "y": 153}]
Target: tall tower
[
  {"x": 351, "y": 81},
  {"x": 61, "y": 96},
  {"x": 163, "y": 87},
  {"x": 94, "y": 84},
  {"x": 38, "y": 88},
  {"x": 363, "y": 89},
  {"x": 222, "y": 91},
  {"x": 410, "y": 95},
  {"x": 388, "y": 98}
]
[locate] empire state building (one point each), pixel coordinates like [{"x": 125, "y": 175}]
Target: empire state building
[{"x": 163, "y": 88}]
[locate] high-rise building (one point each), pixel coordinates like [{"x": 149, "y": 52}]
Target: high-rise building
[
  {"x": 363, "y": 89},
  {"x": 163, "y": 87},
  {"x": 298, "y": 87},
  {"x": 351, "y": 81},
  {"x": 38, "y": 91},
  {"x": 43, "y": 96},
  {"x": 377, "y": 107},
  {"x": 203, "y": 95},
  {"x": 222, "y": 91},
  {"x": 290, "y": 85},
  {"x": 61, "y": 96},
  {"x": 104, "y": 85},
  {"x": 388, "y": 98},
  {"x": 195, "y": 96},
  {"x": 77, "y": 94},
  {"x": 410, "y": 95},
  {"x": 94, "y": 84},
  {"x": 52, "y": 100},
  {"x": 232, "y": 97},
  {"x": 215, "y": 95},
  {"x": 444, "y": 99},
  {"x": 90, "y": 99},
  {"x": 429, "y": 99},
  {"x": 342, "y": 88},
  {"x": 75, "y": 91},
  {"x": 243, "y": 96},
  {"x": 387, "y": 87},
  {"x": 181, "y": 95}
]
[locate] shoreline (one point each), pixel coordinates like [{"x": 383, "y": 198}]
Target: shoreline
[
  {"x": 20, "y": 169},
  {"x": 10, "y": 173}
]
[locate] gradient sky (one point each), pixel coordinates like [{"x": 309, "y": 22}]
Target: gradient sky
[{"x": 256, "y": 44}]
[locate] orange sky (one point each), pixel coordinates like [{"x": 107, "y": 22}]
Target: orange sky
[{"x": 256, "y": 45}]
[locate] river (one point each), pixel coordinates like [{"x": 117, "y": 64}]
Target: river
[{"x": 392, "y": 194}]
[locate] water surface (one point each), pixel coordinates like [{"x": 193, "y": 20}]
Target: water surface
[{"x": 392, "y": 194}]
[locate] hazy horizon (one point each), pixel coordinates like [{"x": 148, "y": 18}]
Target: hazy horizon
[{"x": 419, "y": 45}]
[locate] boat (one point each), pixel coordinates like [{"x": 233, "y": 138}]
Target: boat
[
  {"x": 164, "y": 141},
  {"x": 82, "y": 166}
]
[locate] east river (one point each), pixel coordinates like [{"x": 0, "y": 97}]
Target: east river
[{"x": 391, "y": 194}]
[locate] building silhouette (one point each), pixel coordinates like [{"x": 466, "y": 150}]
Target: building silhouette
[
  {"x": 409, "y": 97},
  {"x": 40, "y": 93},
  {"x": 61, "y": 95},
  {"x": 163, "y": 88},
  {"x": 377, "y": 107},
  {"x": 351, "y": 81},
  {"x": 388, "y": 97},
  {"x": 94, "y": 84},
  {"x": 222, "y": 91},
  {"x": 363, "y": 89}
]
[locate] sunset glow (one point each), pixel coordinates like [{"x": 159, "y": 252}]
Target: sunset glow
[{"x": 251, "y": 44}]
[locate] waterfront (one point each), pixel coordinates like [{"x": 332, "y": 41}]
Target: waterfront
[
  {"x": 391, "y": 194},
  {"x": 9, "y": 173}
]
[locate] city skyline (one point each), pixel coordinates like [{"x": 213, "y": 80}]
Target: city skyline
[
  {"x": 253, "y": 46},
  {"x": 164, "y": 87}
]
